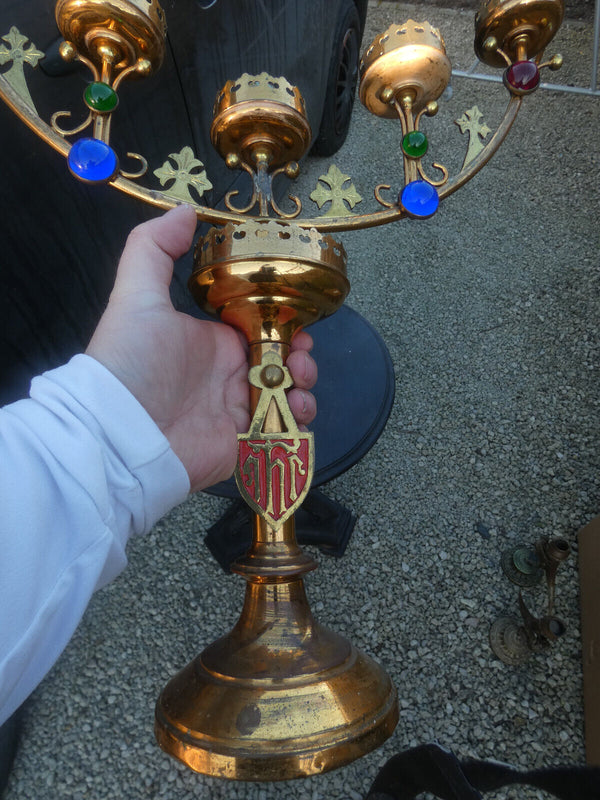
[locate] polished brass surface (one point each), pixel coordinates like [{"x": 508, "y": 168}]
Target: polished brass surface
[
  {"x": 408, "y": 60},
  {"x": 260, "y": 126},
  {"x": 280, "y": 696},
  {"x": 269, "y": 278},
  {"x": 115, "y": 33},
  {"x": 260, "y": 118},
  {"x": 521, "y": 29}
]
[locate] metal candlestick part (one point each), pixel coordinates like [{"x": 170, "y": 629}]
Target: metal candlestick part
[
  {"x": 513, "y": 641},
  {"x": 280, "y": 696}
]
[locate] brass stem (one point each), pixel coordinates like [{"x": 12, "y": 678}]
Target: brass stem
[
  {"x": 274, "y": 556},
  {"x": 263, "y": 184},
  {"x": 521, "y": 48},
  {"x": 102, "y": 127},
  {"x": 105, "y": 75},
  {"x": 90, "y": 65},
  {"x": 404, "y": 109},
  {"x": 102, "y": 121}
]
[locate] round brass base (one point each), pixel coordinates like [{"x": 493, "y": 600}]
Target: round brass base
[
  {"x": 268, "y": 728},
  {"x": 508, "y": 640}
]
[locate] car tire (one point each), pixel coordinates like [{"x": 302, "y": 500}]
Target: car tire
[{"x": 341, "y": 82}]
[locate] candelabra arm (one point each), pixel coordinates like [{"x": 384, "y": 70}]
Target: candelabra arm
[
  {"x": 360, "y": 221},
  {"x": 29, "y": 116},
  {"x": 219, "y": 217}
]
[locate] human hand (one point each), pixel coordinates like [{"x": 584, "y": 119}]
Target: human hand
[{"x": 190, "y": 375}]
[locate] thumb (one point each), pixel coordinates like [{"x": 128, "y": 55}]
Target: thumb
[{"x": 151, "y": 248}]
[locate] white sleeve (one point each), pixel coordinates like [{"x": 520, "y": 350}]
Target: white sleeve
[{"x": 82, "y": 467}]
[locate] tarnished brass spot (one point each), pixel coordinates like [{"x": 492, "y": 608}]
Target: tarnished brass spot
[
  {"x": 508, "y": 640},
  {"x": 410, "y": 60},
  {"x": 521, "y": 565},
  {"x": 514, "y": 25}
]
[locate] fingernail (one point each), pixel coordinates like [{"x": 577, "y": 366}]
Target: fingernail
[
  {"x": 303, "y": 402},
  {"x": 306, "y": 366}
]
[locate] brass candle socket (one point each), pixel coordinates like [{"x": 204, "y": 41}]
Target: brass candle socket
[
  {"x": 515, "y": 29},
  {"x": 406, "y": 63},
  {"x": 121, "y": 32},
  {"x": 269, "y": 278},
  {"x": 259, "y": 117}
]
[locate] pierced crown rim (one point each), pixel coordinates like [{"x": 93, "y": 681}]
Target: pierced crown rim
[{"x": 275, "y": 238}]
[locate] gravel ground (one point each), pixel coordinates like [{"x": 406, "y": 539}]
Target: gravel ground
[
  {"x": 582, "y": 10},
  {"x": 490, "y": 314}
]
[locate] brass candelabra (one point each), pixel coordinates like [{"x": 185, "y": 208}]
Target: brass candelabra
[{"x": 280, "y": 696}]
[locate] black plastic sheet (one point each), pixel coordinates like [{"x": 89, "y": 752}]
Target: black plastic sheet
[{"x": 431, "y": 768}]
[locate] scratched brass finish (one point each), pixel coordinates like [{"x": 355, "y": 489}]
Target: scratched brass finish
[
  {"x": 280, "y": 696},
  {"x": 124, "y": 31},
  {"x": 260, "y": 117},
  {"x": 521, "y": 28},
  {"x": 269, "y": 278},
  {"x": 410, "y": 60}
]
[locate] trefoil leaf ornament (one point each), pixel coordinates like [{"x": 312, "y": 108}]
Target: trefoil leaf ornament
[
  {"x": 187, "y": 172},
  {"x": 337, "y": 193},
  {"x": 19, "y": 55}
]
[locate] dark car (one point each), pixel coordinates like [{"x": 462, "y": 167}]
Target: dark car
[{"x": 61, "y": 239}]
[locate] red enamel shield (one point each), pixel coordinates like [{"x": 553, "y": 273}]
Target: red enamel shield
[{"x": 274, "y": 473}]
